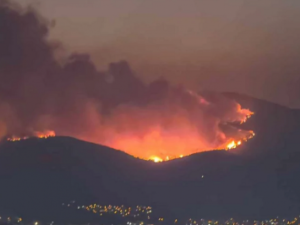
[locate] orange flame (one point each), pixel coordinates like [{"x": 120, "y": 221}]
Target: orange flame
[
  {"x": 45, "y": 134},
  {"x": 234, "y": 144},
  {"x": 38, "y": 134},
  {"x": 15, "y": 138},
  {"x": 155, "y": 159}
]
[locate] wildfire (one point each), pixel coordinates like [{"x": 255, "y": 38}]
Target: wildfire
[
  {"x": 14, "y": 138},
  {"x": 175, "y": 127},
  {"x": 45, "y": 134},
  {"x": 233, "y": 144},
  {"x": 155, "y": 159},
  {"x": 38, "y": 134},
  {"x": 247, "y": 117}
]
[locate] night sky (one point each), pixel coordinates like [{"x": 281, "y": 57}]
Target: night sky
[{"x": 250, "y": 47}]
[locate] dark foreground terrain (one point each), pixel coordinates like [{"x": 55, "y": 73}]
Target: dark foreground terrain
[{"x": 258, "y": 180}]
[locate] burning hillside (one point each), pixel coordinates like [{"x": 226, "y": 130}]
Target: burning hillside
[
  {"x": 179, "y": 124},
  {"x": 156, "y": 121},
  {"x": 37, "y": 134}
]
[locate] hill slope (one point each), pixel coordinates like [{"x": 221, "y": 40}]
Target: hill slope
[{"x": 258, "y": 180}]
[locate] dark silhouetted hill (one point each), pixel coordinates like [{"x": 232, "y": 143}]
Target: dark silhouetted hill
[{"x": 258, "y": 180}]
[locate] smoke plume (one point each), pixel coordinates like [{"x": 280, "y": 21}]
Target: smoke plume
[{"x": 113, "y": 107}]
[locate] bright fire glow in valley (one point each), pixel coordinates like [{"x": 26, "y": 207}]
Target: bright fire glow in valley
[
  {"x": 172, "y": 124},
  {"x": 157, "y": 146}
]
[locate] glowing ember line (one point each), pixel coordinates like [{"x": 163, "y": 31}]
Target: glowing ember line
[
  {"x": 14, "y": 138},
  {"x": 233, "y": 144},
  {"x": 45, "y": 134}
]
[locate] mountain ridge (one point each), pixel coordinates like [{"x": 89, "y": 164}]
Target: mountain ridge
[{"x": 246, "y": 182}]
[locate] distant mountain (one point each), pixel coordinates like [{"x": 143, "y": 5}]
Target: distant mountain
[{"x": 258, "y": 180}]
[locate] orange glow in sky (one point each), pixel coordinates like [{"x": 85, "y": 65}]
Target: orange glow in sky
[{"x": 178, "y": 126}]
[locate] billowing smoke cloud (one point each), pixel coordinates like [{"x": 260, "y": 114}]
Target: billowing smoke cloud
[{"x": 113, "y": 108}]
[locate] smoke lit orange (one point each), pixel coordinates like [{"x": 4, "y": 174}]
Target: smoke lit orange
[
  {"x": 156, "y": 121},
  {"x": 178, "y": 125},
  {"x": 172, "y": 128}
]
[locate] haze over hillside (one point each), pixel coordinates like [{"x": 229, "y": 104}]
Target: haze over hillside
[{"x": 256, "y": 180}]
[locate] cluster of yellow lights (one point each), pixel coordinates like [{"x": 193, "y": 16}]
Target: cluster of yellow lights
[{"x": 118, "y": 210}]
